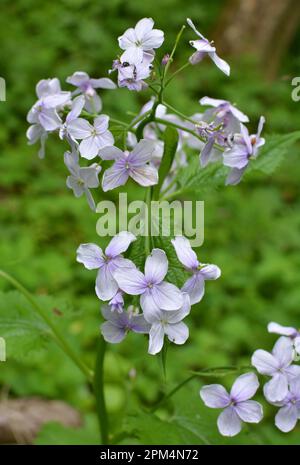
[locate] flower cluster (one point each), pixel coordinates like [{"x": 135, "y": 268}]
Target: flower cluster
[
  {"x": 282, "y": 390},
  {"x": 162, "y": 305}
]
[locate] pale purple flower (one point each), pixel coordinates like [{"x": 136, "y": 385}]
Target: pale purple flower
[
  {"x": 116, "y": 304},
  {"x": 278, "y": 365},
  {"x": 224, "y": 110},
  {"x": 140, "y": 40},
  {"x": 288, "y": 331},
  {"x": 129, "y": 164},
  {"x": 35, "y": 133},
  {"x": 245, "y": 147},
  {"x": 117, "y": 326},
  {"x": 93, "y": 137},
  {"x": 81, "y": 179},
  {"x": 194, "y": 286},
  {"x": 156, "y": 294},
  {"x": 74, "y": 113},
  {"x": 237, "y": 406},
  {"x": 133, "y": 75},
  {"x": 169, "y": 324},
  {"x": 289, "y": 413},
  {"x": 107, "y": 263},
  {"x": 87, "y": 86},
  {"x": 204, "y": 47}
]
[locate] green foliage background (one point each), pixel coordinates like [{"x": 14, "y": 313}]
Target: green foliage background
[{"x": 251, "y": 231}]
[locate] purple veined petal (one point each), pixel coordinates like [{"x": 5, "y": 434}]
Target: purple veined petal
[
  {"x": 206, "y": 151},
  {"x": 249, "y": 411},
  {"x": 111, "y": 153},
  {"x": 101, "y": 123},
  {"x": 112, "y": 333},
  {"x": 93, "y": 103},
  {"x": 127, "y": 39},
  {"x": 103, "y": 83},
  {"x": 283, "y": 351},
  {"x": 76, "y": 109},
  {"x": 114, "y": 177},
  {"x": 71, "y": 160},
  {"x": 119, "y": 243},
  {"x": 234, "y": 176},
  {"x": 244, "y": 387},
  {"x": 145, "y": 175},
  {"x": 78, "y": 78},
  {"x": 276, "y": 389},
  {"x": 167, "y": 296},
  {"x": 105, "y": 139},
  {"x": 283, "y": 330},
  {"x": 239, "y": 115},
  {"x": 151, "y": 311},
  {"x": 212, "y": 102},
  {"x": 215, "y": 396},
  {"x": 90, "y": 175},
  {"x": 196, "y": 57},
  {"x": 49, "y": 119},
  {"x": 90, "y": 199},
  {"x": 292, "y": 371},
  {"x": 286, "y": 418},
  {"x": 229, "y": 423},
  {"x": 89, "y": 147},
  {"x": 246, "y": 138},
  {"x": 34, "y": 133},
  {"x": 47, "y": 86},
  {"x": 130, "y": 280},
  {"x": 236, "y": 157},
  {"x": 142, "y": 153},
  {"x": 177, "y": 333},
  {"x": 80, "y": 128},
  {"x": 139, "y": 324},
  {"x": 264, "y": 362},
  {"x": 106, "y": 286},
  {"x": 90, "y": 255},
  {"x": 185, "y": 253},
  {"x": 194, "y": 287},
  {"x": 113, "y": 317},
  {"x": 203, "y": 46},
  {"x": 133, "y": 55},
  {"x": 120, "y": 262},
  {"x": 220, "y": 63},
  {"x": 73, "y": 183},
  {"x": 56, "y": 100},
  {"x": 153, "y": 39},
  {"x": 177, "y": 315},
  {"x": 210, "y": 272},
  {"x": 142, "y": 27},
  {"x": 156, "y": 339},
  {"x": 156, "y": 266},
  {"x": 295, "y": 386}
]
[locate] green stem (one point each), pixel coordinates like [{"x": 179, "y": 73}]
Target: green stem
[
  {"x": 176, "y": 72},
  {"x": 147, "y": 231},
  {"x": 58, "y": 337},
  {"x": 172, "y": 54},
  {"x": 99, "y": 391},
  {"x": 177, "y": 112}
]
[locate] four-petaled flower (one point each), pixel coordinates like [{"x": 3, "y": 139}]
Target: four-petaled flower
[
  {"x": 289, "y": 413},
  {"x": 278, "y": 365},
  {"x": 204, "y": 47},
  {"x": 93, "y": 137},
  {"x": 288, "y": 331},
  {"x": 117, "y": 326},
  {"x": 156, "y": 294},
  {"x": 237, "y": 406},
  {"x": 129, "y": 164},
  {"x": 194, "y": 286},
  {"x": 93, "y": 258}
]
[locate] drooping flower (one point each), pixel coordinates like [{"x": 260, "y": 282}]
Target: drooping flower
[
  {"x": 129, "y": 164},
  {"x": 194, "y": 286},
  {"x": 107, "y": 263},
  {"x": 116, "y": 304},
  {"x": 117, "y": 326},
  {"x": 289, "y": 413},
  {"x": 169, "y": 324},
  {"x": 245, "y": 147},
  {"x": 87, "y": 86},
  {"x": 36, "y": 133},
  {"x": 288, "y": 331},
  {"x": 93, "y": 137},
  {"x": 204, "y": 47},
  {"x": 140, "y": 40},
  {"x": 278, "y": 365},
  {"x": 237, "y": 406},
  {"x": 81, "y": 179},
  {"x": 224, "y": 111},
  {"x": 156, "y": 294}
]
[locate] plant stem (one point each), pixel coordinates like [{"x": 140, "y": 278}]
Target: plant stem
[
  {"x": 99, "y": 391},
  {"x": 176, "y": 72},
  {"x": 58, "y": 337},
  {"x": 172, "y": 54},
  {"x": 177, "y": 112},
  {"x": 148, "y": 219}
]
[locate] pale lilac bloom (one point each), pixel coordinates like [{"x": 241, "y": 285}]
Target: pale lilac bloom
[
  {"x": 93, "y": 137},
  {"x": 195, "y": 285},
  {"x": 87, "y": 86},
  {"x": 156, "y": 294},
  {"x": 237, "y": 406},
  {"x": 224, "y": 110},
  {"x": 133, "y": 75},
  {"x": 278, "y": 365},
  {"x": 129, "y": 164},
  {"x": 81, "y": 179},
  {"x": 245, "y": 147},
  {"x": 116, "y": 304},
  {"x": 117, "y": 326},
  {"x": 288, "y": 331},
  {"x": 289, "y": 413},
  {"x": 204, "y": 47},
  {"x": 169, "y": 324},
  {"x": 35, "y": 133},
  {"x": 107, "y": 263},
  {"x": 74, "y": 113},
  {"x": 140, "y": 40}
]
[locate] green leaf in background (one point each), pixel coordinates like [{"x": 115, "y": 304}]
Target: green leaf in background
[
  {"x": 170, "y": 146},
  {"x": 57, "y": 434}
]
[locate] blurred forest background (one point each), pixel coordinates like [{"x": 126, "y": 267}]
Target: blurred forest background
[{"x": 251, "y": 231}]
